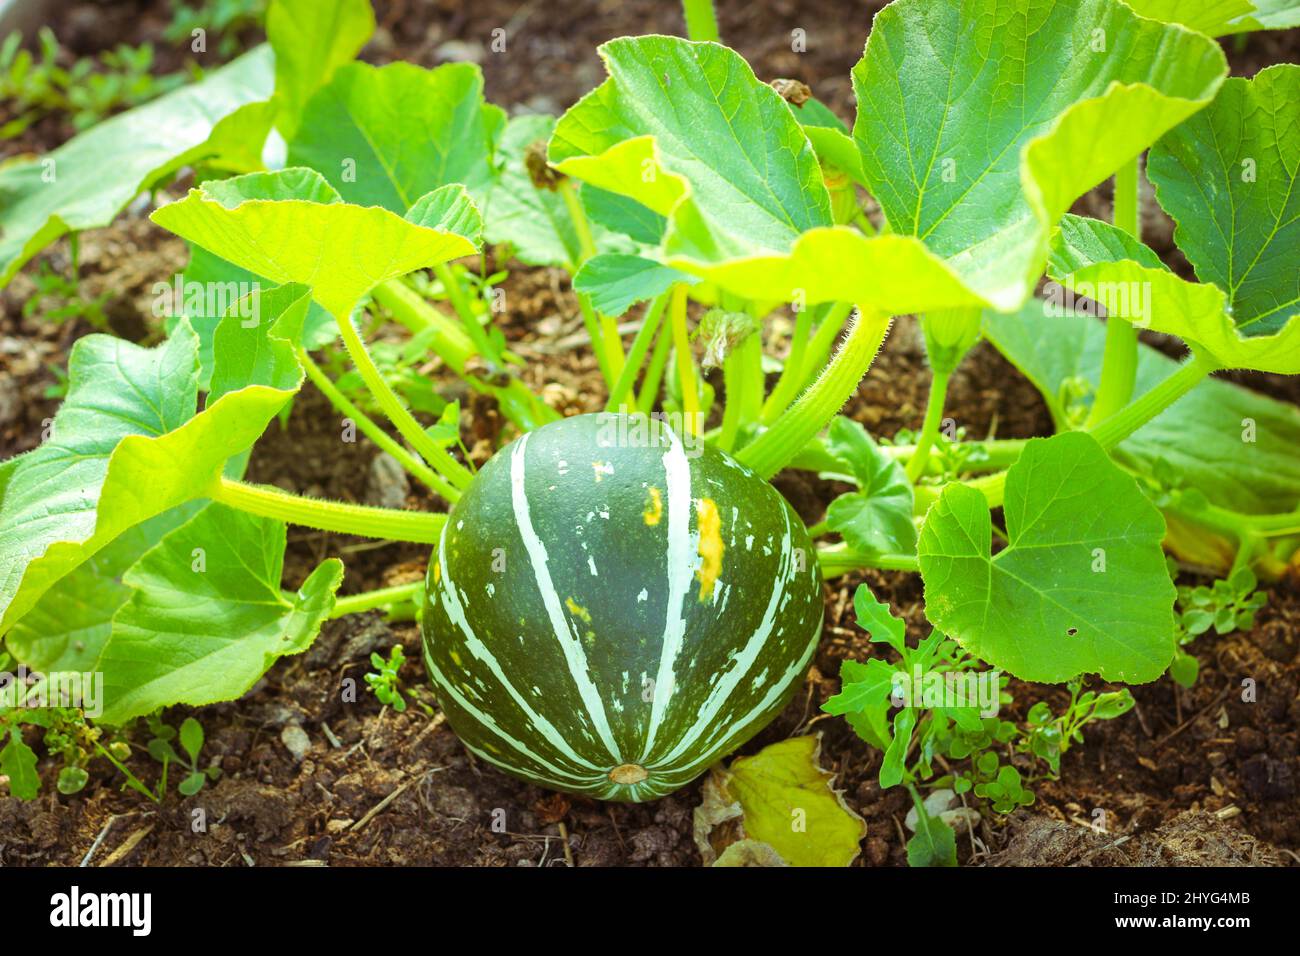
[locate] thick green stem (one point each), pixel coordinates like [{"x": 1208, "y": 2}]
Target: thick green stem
[
  {"x": 820, "y": 346},
  {"x": 930, "y": 428},
  {"x": 397, "y": 413},
  {"x": 1119, "y": 426},
  {"x": 1110, "y": 432},
  {"x": 452, "y": 345},
  {"x": 640, "y": 345},
  {"x": 372, "y": 431},
  {"x": 654, "y": 373},
  {"x": 685, "y": 361},
  {"x": 369, "y": 600},
  {"x": 770, "y": 452},
  {"x": 1120, "y": 357},
  {"x": 791, "y": 378},
  {"x": 383, "y": 523},
  {"x": 701, "y": 21},
  {"x": 835, "y": 561}
]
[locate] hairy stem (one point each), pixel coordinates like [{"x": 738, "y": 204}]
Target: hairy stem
[
  {"x": 383, "y": 523},
  {"x": 372, "y": 431},
  {"x": 1119, "y": 426},
  {"x": 701, "y": 21},
  {"x": 770, "y": 452},
  {"x": 820, "y": 346},
  {"x": 437, "y": 457}
]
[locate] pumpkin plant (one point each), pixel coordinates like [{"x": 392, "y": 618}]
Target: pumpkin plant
[{"x": 615, "y": 601}]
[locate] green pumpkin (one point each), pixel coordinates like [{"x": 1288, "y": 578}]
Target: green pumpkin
[{"x": 612, "y": 609}]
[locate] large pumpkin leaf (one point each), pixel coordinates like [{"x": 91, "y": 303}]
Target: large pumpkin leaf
[
  {"x": 974, "y": 133},
  {"x": 311, "y": 40},
  {"x": 67, "y": 628},
  {"x": 688, "y": 131},
  {"x": 340, "y": 251},
  {"x": 74, "y": 188},
  {"x": 1101, "y": 262},
  {"x": 1081, "y": 587},
  {"x": 206, "y": 616},
  {"x": 385, "y": 136},
  {"x": 1228, "y": 178},
  {"x": 980, "y": 123},
  {"x": 1200, "y": 436},
  {"x": 126, "y": 446}
]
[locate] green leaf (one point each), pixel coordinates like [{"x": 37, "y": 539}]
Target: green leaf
[
  {"x": 981, "y": 123},
  {"x": 978, "y": 127},
  {"x": 209, "y": 285},
  {"x": 1104, "y": 263},
  {"x": 191, "y": 737},
  {"x": 933, "y": 844},
  {"x": 894, "y": 767},
  {"x": 688, "y": 131},
  {"x": 385, "y": 136},
  {"x": 295, "y": 240},
  {"x": 878, "y": 620},
  {"x": 1211, "y": 17},
  {"x": 1222, "y": 17},
  {"x": 255, "y": 345},
  {"x": 1200, "y": 437},
  {"x": 311, "y": 40},
  {"x": 202, "y": 633},
  {"x": 862, "y": 687},
  {"x": 535, "y": 221},
  {"x": 621, "y": 218},
  {"x": 126, "y": 446},
  {"x": 617, "y": 282},
  {"x": 789, "y": 804},
  {"x": 67, "y": 627},
  {"x": 192, "y": 784},
  {"x": 72, "y": 780},
  {"x": 1082, "y": 585},
  {"x": 18, "y": 763},
  {"x": 876, "y": 519},
  {"x": 1228, "y": 179},
  {"x": 74, "y": 188}
]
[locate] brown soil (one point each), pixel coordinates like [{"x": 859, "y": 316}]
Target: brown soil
[{"x": 1192, "y": 777}]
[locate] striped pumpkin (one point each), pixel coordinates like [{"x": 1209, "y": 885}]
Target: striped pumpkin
[{"x": 610, "y": 610}]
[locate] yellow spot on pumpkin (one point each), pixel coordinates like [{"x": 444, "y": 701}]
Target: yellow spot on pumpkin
[
  {"x": 437, "y": 571},
  {"x": 654, "y": 508},
  {"x": 455, "y": 659},
  {"x": 577, "y": 610},
  {"x": 711, "y": 546}
]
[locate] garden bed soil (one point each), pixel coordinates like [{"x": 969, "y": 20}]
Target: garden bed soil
[{"x": 1194, "y": 777}]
